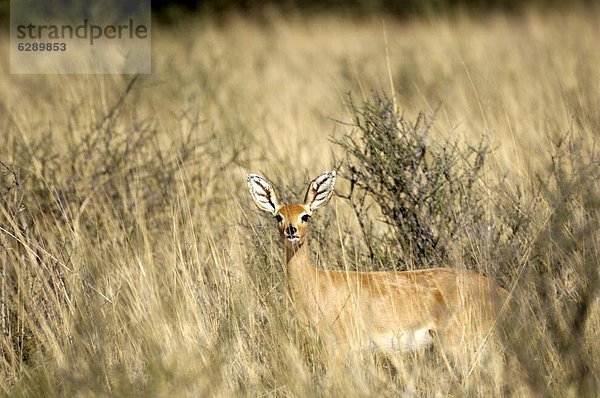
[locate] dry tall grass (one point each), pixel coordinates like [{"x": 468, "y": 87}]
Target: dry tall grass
[{"x": 133, "y": 262}]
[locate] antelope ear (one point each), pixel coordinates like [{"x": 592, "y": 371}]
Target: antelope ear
[
  {"x": 263, "y": 193},
  {"x": 320, "y": 190}
]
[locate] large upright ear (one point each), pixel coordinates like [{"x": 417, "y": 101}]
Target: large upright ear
[
  {"x": 320, "y": 190},
  {"x": 263, "y": 193}
]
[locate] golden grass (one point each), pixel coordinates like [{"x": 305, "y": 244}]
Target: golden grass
[{"x": 114, "y": 283}]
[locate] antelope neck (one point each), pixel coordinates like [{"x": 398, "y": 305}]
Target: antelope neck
[
  {"x": 298, "y": 257},
  {"x": 300, "y": 272}
]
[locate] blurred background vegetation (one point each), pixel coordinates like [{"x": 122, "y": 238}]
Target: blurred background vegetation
[
  {"x": 166, "y": 10},
  {"x": 398, "y": 8},
  {"x": 170, "y": 11}
]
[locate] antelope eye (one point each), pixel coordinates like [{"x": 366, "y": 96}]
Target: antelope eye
[
  {"x": 305, "y": 218},
  {"x": 278, "y": 218}
]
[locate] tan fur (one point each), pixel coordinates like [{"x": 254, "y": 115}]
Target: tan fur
[{"x": 388, "y": 311}]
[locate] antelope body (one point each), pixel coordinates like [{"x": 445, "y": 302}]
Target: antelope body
[{"x": 385, "y": 311}]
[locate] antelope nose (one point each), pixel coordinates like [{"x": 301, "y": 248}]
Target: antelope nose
[{"x": 291, "y": 230}]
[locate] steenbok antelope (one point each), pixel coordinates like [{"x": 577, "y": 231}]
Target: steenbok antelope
[{"x": 384, "y": 311}]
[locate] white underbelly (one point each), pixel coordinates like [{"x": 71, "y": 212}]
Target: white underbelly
[{"x": 402, "y": 341}]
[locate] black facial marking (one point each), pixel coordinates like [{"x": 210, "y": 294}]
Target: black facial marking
[
  {"x": 291, "y": 230},
  {"x": 278, "y": 218}
]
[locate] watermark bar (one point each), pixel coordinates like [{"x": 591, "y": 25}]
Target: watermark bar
[{"x": 75, "y": 37}]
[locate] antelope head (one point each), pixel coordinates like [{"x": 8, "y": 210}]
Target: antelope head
[{"x": 292, "y": 219}]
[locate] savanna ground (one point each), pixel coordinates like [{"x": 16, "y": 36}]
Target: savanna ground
[{"x": 134, "y": 263}]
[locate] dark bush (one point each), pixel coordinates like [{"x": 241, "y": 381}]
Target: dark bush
[{"x": 427, "y": 192}]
